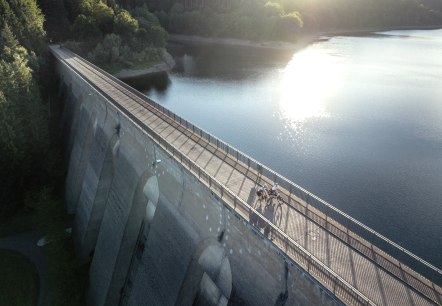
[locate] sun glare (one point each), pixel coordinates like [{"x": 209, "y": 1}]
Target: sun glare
[{"x": 308, "y": 80}]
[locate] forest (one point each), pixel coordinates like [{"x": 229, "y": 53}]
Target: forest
[{"x": 24, "y": 134}]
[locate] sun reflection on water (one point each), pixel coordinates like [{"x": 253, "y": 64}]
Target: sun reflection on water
[{"x": 307, "y": 81}]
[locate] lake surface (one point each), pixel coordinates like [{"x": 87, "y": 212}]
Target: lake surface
[{"x": 355, "y": 120}]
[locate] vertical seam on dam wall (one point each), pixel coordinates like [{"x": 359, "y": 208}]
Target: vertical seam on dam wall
[
  {"x": 99, "y": 200},
  {"x": 78, "y": 163}
]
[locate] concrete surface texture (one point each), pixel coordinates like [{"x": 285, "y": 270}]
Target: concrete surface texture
[{"x": 152, "y": 232}]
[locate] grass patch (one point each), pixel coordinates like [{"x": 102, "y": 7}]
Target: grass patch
[
  {"x": 18, "y": 223},
  {"x": 18, "y": 281},
  {"x": 41, "y": 212},
  {"x": 67, "y": 279}
]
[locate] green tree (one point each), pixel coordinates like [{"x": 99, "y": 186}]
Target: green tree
[
  {"x": 125, "y": 24},
  {"x": 102, "y": 14},
  {"x": 108, "y": 51},
  {"x": 26, "y": 22},
  {"x": 86, "y": 28}
]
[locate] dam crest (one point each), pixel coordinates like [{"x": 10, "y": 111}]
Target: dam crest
[{"x": 167, "y": 214}]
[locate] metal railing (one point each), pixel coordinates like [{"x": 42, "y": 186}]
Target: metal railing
[{"x": 316, "y": 209}]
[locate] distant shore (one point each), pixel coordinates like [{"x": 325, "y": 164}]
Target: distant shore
[{"x": 302, "y": 42}]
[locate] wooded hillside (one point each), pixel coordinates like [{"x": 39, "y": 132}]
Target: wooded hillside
[{"x": 24, "y": 141}]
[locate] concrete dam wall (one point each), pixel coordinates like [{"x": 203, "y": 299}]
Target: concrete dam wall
[{"x": 153, "y": 233}]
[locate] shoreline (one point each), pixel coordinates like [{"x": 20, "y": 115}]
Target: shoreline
[
  {"x": 303, "y": 41},
  {"x": 166, "y": 65},
  {"x": 135, "y": 73},
  {"x": 169, "y": 63}
]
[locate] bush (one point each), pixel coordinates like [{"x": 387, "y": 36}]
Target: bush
[
  {"x": 125, "y": 24},
  {"x": 85, "y": 28},
  {"x": 108, "y": 51}
]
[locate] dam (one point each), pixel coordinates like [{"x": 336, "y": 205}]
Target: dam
[{"x": 166, "y": 214}]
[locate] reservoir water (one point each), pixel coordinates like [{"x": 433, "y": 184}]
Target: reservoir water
[{"x": 355, "y": 120}]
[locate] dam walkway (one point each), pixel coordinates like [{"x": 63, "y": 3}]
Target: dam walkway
[{"x": 353, "y": 262}]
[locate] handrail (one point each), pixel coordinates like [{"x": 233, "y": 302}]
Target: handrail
[
  {"x": 262, "y": 170},
  {"x": 226, "y": 194},
  {"x": 364, "y": 231}
]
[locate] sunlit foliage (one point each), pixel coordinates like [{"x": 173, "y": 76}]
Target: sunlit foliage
[
  {"x": 119, "y": 38},
  {"x": 256, "y": 21}
]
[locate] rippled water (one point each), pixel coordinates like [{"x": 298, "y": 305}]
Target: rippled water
[{"x": 355, "y": 120}]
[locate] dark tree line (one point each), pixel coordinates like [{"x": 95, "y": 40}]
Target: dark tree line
[
  {"x": 286, "y": 19},
  {"x": 326, "y": 15}
]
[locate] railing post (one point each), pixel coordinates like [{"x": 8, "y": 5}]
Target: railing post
[{"x": 326, "y": 218}]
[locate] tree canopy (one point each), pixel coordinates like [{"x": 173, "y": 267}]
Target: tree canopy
[
  {"x": 26, "y": 20},
  {"x": 116, "y": 38}
]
